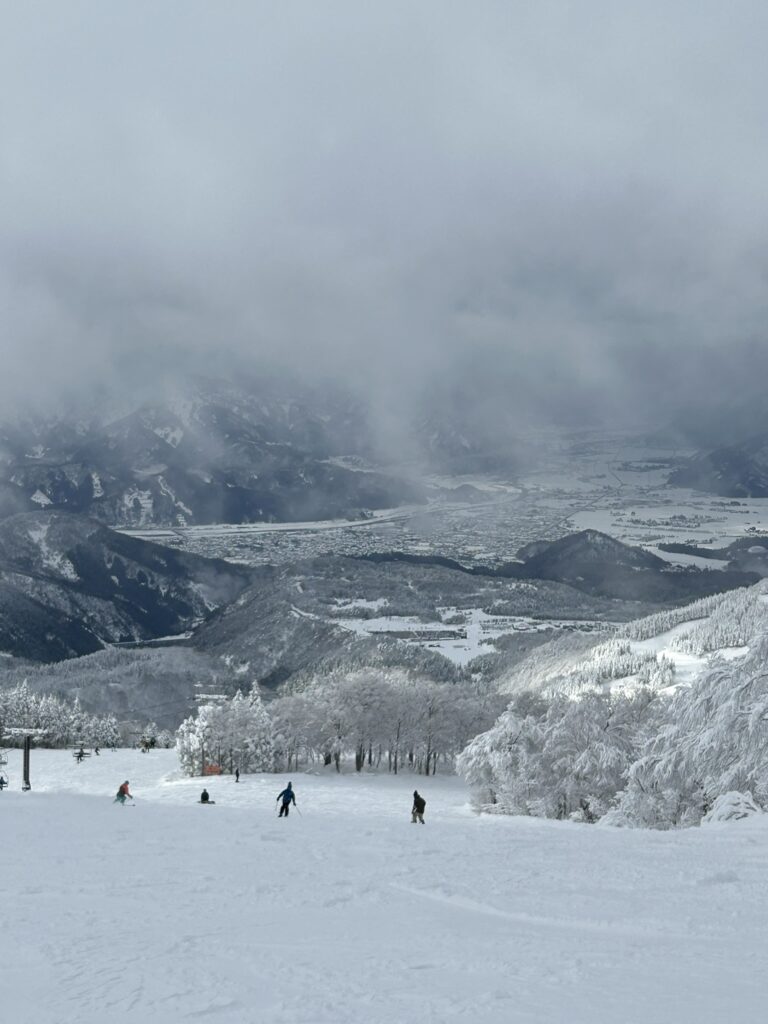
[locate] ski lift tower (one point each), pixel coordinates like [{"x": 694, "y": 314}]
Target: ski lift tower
[{"x": 28, "y": 735}]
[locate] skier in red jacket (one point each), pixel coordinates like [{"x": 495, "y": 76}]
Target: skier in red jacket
[{"x": 123, "y": 793}]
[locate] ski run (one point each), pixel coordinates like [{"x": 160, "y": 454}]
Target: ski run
[{"x": 167, "y": 911}]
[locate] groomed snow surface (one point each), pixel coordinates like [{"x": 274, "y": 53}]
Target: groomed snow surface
[{"x": 168, "y": 911}]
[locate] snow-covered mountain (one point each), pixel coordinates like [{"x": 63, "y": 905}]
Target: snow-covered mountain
[
  {"x": 581, "y": 555},
  {"x": 665, "y": 650},
  {"x": 69, "y": 585},
  {"x": 736, "y": 471},
  {"x": 211, "y": 452},
  {"x": 599, "y": 564}
]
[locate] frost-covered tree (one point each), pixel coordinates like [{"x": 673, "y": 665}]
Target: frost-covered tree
[
  {"x": 661, "y": 622},
  {"x": 59, "y": 721},
  {"x": 235, "y": 733},
  {"x": 166, "y": 739},
  {"x": 294, "y": 724},
  {"x": 739, "y": 617},
  {"x": 107, "y": 732},
  {"x": 377, "y": 715},
  {"x": 714, "y": 740},
  {"x": 190, "y": 745},
  {"x": 560, "y": 756},
  {"x": 255, "y": 727}
]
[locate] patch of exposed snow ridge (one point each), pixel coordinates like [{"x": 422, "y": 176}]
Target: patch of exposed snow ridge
[{"x": 58, "y": 563}]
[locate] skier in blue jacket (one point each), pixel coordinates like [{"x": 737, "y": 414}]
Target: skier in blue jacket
[{"x": 287, "y": 796}]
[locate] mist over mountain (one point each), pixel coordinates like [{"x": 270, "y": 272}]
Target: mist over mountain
[
  {"x": 213, "y": 451},
  {"x": 521, "y": 216},
  {"x": 257, "y": 449},
  {"x": 734, "y": 471}
]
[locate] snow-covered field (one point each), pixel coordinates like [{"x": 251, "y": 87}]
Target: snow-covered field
[
  {"x": 689, "y": 516},
  {"x": 350, "y": 913},
  {"x": 476, "y": 632}
]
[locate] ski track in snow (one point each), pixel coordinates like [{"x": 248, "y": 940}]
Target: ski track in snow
[{"x": 348, "y": 912}]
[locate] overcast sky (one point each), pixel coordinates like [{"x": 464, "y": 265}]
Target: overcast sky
[{"x": 563, "y": 201}]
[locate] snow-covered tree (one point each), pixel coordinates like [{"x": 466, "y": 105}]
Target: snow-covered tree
[
  {"x": 60, "y": 722},
  {"x": 189, "y": 745},
  {"x": 560, "y": 756},
  {"x": 738, "y": 618},
  {"x": 714, "y": 740},
  {"x": 234, "y": 733},
  {"x": 255, "y": 728},
  {"x": 294, "y": 724},
  {"x": 375, "y": 714},
  {"x": 661, "y": 622}
]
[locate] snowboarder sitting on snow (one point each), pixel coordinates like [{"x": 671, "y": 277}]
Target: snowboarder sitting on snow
[
  {"x": 286, "y": 796},
  {"x": 419, "y": 803},
  {"x": 204, "y": 797},
  {"x": 122, "y": 794}
]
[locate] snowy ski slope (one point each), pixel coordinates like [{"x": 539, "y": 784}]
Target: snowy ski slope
[{"x": 167, "y": 911}]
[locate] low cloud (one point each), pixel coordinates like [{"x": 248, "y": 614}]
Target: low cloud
[{"x": 545, "y": 210}]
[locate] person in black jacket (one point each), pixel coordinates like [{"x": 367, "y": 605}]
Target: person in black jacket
[
  {"x": 419, "y": 803},
  {"x": 287, "y": 798}
]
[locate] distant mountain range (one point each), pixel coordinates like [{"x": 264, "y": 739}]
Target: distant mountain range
[
  {"x": 736, "y": 471},
  {"x": 213, "y": 452},
  {"x": 70, "y": 587}
]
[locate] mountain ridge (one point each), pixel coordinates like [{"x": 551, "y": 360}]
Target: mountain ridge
[{"x": 69, "y": 585}]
